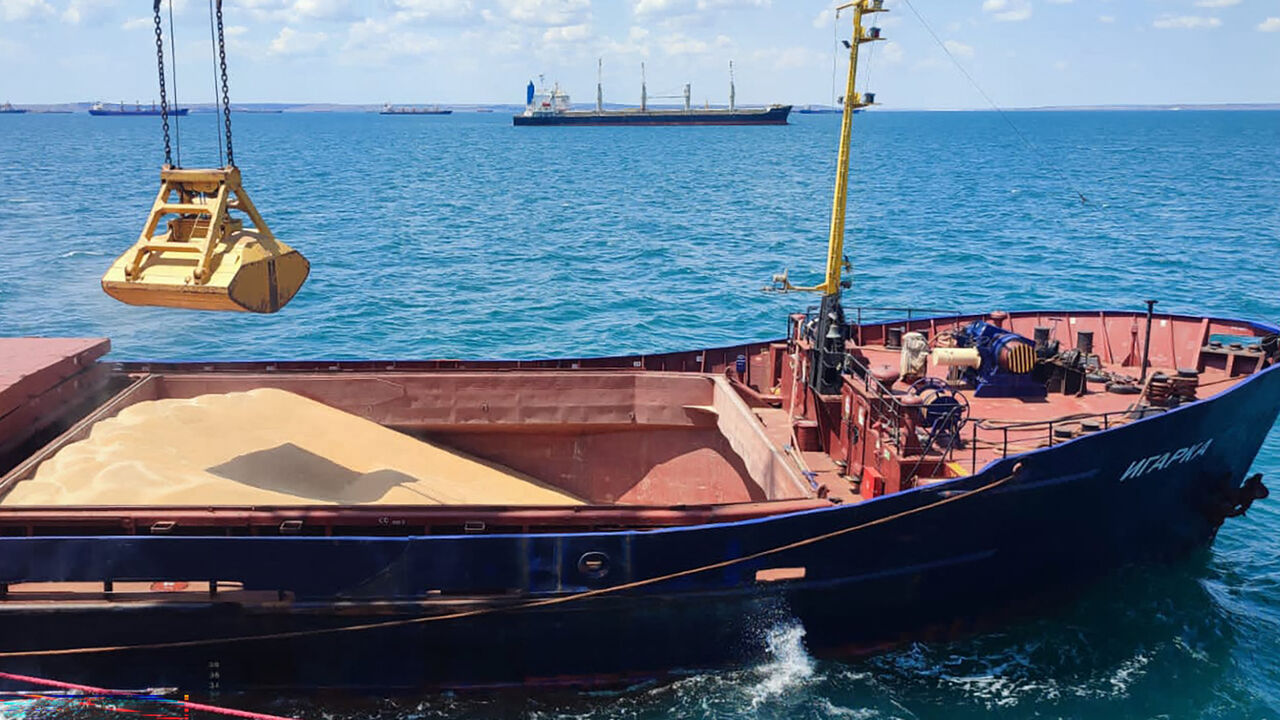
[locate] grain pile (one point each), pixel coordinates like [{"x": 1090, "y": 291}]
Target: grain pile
[{"x": 265, "y": 447}]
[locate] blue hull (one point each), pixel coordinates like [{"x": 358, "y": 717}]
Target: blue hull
[{"x": 1047, "y": 519}]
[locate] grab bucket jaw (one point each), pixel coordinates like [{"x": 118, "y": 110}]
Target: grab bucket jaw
[{"x": 205, "y": 259}]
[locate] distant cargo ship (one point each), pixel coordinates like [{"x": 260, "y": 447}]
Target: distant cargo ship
[
  {"x": 553, "y": 107},
  {"x": 7, "y": 109},
  {"x": 825, "y": 110},
  {"x": 389, "y": 109},
  {"x": 137, "y": 109}
]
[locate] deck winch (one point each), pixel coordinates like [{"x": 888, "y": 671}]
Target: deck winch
[
  {"x": 1007, "y": 362},
  {"x": 192, "y": 253}
]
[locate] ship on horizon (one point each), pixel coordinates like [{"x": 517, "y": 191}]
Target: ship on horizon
[
  {"x": 553, "y": 107},
  {"x": 7, "y": 109},
  {"x": 389, "y": 109},
  {"x": 137, "y": 109}
]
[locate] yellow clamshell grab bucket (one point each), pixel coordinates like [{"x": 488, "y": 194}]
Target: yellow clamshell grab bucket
[{"x": 203, "y": 258}]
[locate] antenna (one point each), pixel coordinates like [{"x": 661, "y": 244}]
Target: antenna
[
  {"x": 732, "y": 95},
  {"x": 644, "y": 90}
]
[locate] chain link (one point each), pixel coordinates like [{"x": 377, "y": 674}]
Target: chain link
[
  {"x": 226, "y": 101},
  {"x": 164, "y": 98}
]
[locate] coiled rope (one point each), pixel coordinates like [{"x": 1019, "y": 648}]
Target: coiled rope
[{"x": 545, "y": 602}]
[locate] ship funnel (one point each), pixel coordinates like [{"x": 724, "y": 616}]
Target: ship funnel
[
  {"x": 600, "y": 85},
  {"x": 528, "y": 94},
  {"x": 687, "y": 92}
]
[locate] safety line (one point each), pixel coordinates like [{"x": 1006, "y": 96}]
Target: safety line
[
  {"x": 1040, "y": 157},
  {"x": 105, "y": 692},
  {"x": 217, "y": 99},
  {"x": 545, "y": 602},
  {"x": 173, "y": 59}
]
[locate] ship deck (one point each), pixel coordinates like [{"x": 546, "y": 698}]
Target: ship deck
[{"x": 644, "y": 441}]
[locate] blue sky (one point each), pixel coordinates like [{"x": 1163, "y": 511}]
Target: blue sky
[{"x": 1023, "y": 52}]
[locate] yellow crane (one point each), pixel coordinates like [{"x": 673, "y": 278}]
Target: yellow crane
[{"x": 192, "y": 252}]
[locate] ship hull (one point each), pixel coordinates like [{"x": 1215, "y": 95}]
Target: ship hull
[
  {"x": 768, "y": 116},
  {"x": 900, "y": 566},
  {"x": 181, "y": 112}
]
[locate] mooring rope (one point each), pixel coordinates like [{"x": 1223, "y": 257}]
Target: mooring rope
[
  {"x": 545, "y": 602},
  {"x": 1032, "y": 147},
  {"x": 106, "y": 692}
]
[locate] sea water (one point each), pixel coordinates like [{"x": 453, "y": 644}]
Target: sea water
[{"x": 462, "y": 236}]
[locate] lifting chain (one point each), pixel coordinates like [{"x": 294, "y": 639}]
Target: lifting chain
[
  {"x": 226, "y": 102},
  {"x": 164, "y": 98}
]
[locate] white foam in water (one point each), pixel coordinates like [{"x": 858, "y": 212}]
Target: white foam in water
[{"x": 790, "y": 667}]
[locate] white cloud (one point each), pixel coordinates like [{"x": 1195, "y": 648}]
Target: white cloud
[
  {"x": 294, "y": 10},
  {"x": 375, "y": 43},
  {"x": 293, "y": 42},
  {"x": 1216, "y": 3},
  {"x": 679, "y": 44},
  {"x": 958, "y": 48},
  {"x": 137, "y": 23},
  {"x": 566, "y": 33},
  {"x": 546, "y": 13},
  {"x": 86, "y": 11},
  {"x": 20, "y": 10},
  {"x": 1106, "y": 19},
  {"x": 1271, "y": 24},
  {"x": 1008, "y": 10},
  {"x": 673, "y": 8},
  {"x": 1185, "y": 22},
  {"x": 434, "y": 10}
]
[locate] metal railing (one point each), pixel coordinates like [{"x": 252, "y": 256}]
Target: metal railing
[{"x": 1033, "y": 426}]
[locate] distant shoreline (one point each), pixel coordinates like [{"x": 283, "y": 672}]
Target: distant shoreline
[{"x": 274, "y": 107}]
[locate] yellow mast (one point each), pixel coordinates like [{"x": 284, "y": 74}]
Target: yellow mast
[{"x": 852, "y": 103}]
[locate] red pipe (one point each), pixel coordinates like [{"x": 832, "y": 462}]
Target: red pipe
[{"x": 122, "y": 693}]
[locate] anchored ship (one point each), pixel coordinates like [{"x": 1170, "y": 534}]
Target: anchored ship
[
  {"x": 138, "y": 109},
  {"x": 398, "y": 524},
  {"x": 553, "y": 107},
  {"x": 389, "y": 109},
  {"x": 7, "y": 109}
]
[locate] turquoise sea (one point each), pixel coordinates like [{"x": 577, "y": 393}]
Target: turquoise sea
[{"x": 462, "y": 236}]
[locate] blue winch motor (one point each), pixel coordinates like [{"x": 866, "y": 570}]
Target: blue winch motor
[{"x": 1008, "y": 362}]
